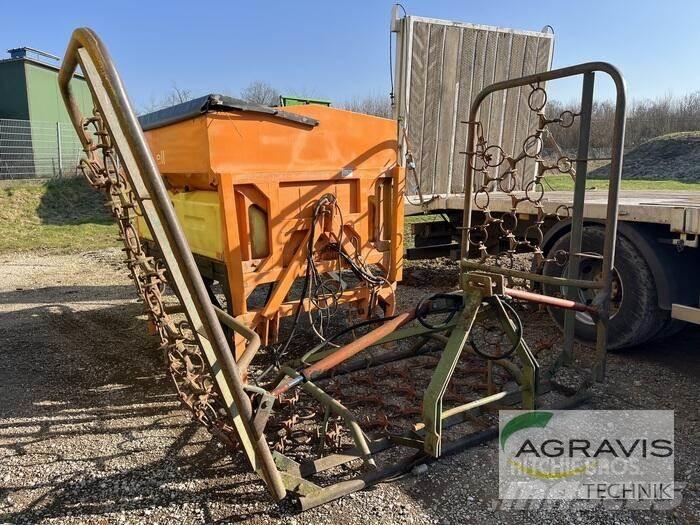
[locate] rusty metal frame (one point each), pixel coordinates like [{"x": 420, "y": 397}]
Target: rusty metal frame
[
  {"x": 571, "y": 281},
  {"x": 282, "y": 475},
  {"x": 87, "y": 51}
]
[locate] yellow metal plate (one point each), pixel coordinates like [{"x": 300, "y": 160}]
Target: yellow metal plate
[{"x": 199, "y": 214}]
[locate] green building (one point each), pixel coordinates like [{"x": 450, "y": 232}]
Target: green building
[
  {"x": 36, "y": 137},
  {"x": 29, "y": 87}
]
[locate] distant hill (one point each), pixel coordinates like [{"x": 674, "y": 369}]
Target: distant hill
[{"x": 675, "y": 156}]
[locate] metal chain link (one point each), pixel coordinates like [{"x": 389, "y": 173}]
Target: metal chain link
[
  {"x": 187, "y": 366},
  {"x": 497, "y": 170}
]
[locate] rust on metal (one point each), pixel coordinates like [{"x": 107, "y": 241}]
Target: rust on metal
[
  {"x": 548, "y": 300},
  {"x": 328, "y": 229}
]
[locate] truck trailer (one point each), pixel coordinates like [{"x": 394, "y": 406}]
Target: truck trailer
[{"x": 440, "y": 67}]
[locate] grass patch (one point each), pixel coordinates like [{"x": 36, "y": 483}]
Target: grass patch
[
  {"x": 66, "y": 215},
  {"x": 564, "y": 182},
  {"x": 413, "y": 219},
  {"x": 63, "y": 215}
]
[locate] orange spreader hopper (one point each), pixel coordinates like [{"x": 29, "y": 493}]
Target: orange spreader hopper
[{"x": 245, "y": 180}]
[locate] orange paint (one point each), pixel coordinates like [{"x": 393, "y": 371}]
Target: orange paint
[{"x": 282, "y": 168}]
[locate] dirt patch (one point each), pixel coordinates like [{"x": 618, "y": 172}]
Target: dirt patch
[
  {"x": 675, "y": 156},
  {"x": 440, "y": 272},
  {"x": 91, "y": 432}
]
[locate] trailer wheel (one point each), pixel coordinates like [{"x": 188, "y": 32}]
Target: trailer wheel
[{"x": 635, "y": 314}]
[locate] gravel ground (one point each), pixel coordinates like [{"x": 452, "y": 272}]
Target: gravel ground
[{"x": 91, "y": 432}]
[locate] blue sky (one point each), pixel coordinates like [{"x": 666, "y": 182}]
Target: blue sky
[{"x": 338, "y": 50}]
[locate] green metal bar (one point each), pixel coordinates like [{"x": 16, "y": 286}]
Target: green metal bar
[
  {"x": 364, "y": 481},
  {"x": 546, "y": 279},
  {"x": 337, "y": 407},
  {"x": 509, "y": 366},
  {"x": 474, "y": 404},
  {"x": 432, "y": 398},
  {"x": 529, "y": 364},
  {"x": 311, "y": 467},
  {"x": 618, "y": 149},
  {"x": 567, "y": 354}
]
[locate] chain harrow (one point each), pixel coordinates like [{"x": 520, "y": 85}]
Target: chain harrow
[
  {"x": 187, "y": 366},
  {"x": 496, "y": 170}
]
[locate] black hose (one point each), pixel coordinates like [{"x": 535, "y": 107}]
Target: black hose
[
  {"x": 359, "y": 272},
  {"x": 422, "y": 312},
  {"x": 366, "y": 322},
  {"x": 307, "y": 278},
  {"x": 518, "y": 331}
]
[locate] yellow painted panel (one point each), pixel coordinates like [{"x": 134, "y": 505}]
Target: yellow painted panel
[{"x": 200, "y": 217}]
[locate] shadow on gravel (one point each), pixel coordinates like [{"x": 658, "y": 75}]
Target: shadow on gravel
[
  {"x": 68, "y": 294},
  {"x": 89, "y": 423},
  {"x": 75, "y": 359},
  {"x": 681, "y": 353},
  {"x": 145, "y": 487}
]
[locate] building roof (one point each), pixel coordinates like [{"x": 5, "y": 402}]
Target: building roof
[{"x": 36, "y": 62}]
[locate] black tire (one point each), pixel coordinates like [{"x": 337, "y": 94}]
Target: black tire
[{"x": 638, "y": 317}]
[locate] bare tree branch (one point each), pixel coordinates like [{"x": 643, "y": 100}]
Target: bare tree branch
[
  {"x": 175, "y": 96},
  {"x": 259, "y": 92},
  {"x": 372, "y": 104},
  {"x": 646, "y": 119}
]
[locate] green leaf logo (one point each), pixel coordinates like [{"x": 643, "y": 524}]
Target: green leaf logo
[{"x": 523, "y": 421}]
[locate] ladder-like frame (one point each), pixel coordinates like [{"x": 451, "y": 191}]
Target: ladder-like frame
[
  {"x": 280, "y": 473},
  {"x": 86, "y": 50}
]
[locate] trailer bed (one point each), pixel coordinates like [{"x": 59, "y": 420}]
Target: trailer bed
[{"x": 680, "y": 210}]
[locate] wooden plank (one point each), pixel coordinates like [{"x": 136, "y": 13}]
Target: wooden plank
[
  {"x": 510, "y": 114},
  {"x": 478, "y": 75},
  {"x": 448, "y": 98},
  {"x": 489, "y": 72},
  {"x": 525, "y": 116},
  {"x": 635, "y": 206},
  {"x": 416, "y": 103},
  {"x": 501, "y": 69},
  {"x": 466, "y": 94},
  {"x": 432, "y": 107}
]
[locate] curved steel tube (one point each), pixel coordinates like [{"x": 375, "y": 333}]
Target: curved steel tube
[
  {"x": 251, "y": 336},
  {"x": 587, "y": 70},
  {"x": 113, "y": 104},
  {"x": 617, "y": 142}
]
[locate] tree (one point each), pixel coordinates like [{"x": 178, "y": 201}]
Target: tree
[
  {"x": 372, "y": 104},
  {"x": 175, "y": 96},
  {"x": 259, "y": 92},
  {"x": 646, "y": 119}
]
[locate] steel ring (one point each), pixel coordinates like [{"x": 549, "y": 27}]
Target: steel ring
[{"x": 531, "y": 100}]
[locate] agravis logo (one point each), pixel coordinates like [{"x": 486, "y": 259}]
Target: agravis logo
[
  {"x": 587, "y": 454},
  {"x": 536, "y": 419}
]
